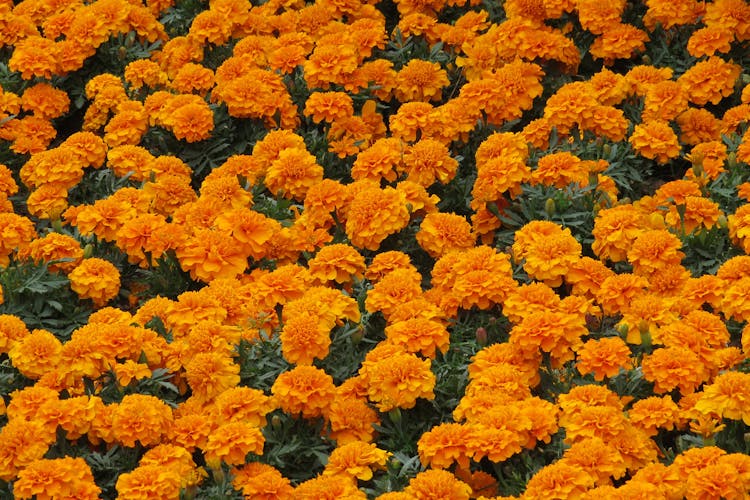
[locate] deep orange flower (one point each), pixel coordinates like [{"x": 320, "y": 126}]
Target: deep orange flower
[
  {"x": 356, "y": 459},
  {"x": 420, "y": 81},
  {"x": 211, "y": 373},
  {"x": 34, "y": 56},
  {"x": 95, "y": 279},
  {"x": 374, "y": 214},
  {"x": 619, "y": 41},
  {"x": 329, "y": 106},
  {"x": 674, "y": 367},
  {"x": 710, "y": 80},
  {"x": 293, "y": 173},
  {"x": 616, "y": 292},
  {"x": 231, "y": 442},
  {"x": 547, "y": 254},
  {"x": 351, "y": 419},
  {"x": 727, "y": 396},
  {"x": 192, "y": 122},
  {"x": 444, "y": 444},
  {"x": 603, "y": 357},
  {"x": 655, "y": 140},
  {"x": 554, "y": 332},
  {"x": 304, "y": 390},
  {"x": 419, "y": 335},
  {"x": 398, "y": 380},
  {"x": 328, "y": 488},
  {"x": 142, "y": 418},
  {"x": 433, "y": 484},
  {"x": 261, "y": 481},
  {"x": 65, "y": 477},
  {"x": 653, "y": 250},
  {"x": 427, "y": 161},
  {"x": 441, "y": 233},
  {"x": 149, "y": 481}
]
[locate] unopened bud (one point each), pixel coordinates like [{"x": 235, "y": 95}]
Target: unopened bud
[
  {"x": 732, "y": 160},
  {"x": 88, "y": 251},
  {"x": 122, "y": 53},
  {"x": 623, "y": 328},
  {"x": 646, "y": 59},
  {"x": 358, "y": 335},
  {"x": 722, "y": 221},
  {"x": 607, "y": 149},
  {"x": 395, "y": 415},
  {"x": 481, "y": 336},
  {"x": 276, "y": 422},
  {"x": 549, "y": 207}
]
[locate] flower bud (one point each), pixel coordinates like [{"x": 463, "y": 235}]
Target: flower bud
[
  {"x": 481, "y": 336},
  {"x": 549, "y": 207}
]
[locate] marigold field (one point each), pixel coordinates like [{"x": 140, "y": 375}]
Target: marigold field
[{"x": 391, "y": 249}]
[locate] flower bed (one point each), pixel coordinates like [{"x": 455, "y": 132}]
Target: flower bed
[{"x": 417, "y": 249}]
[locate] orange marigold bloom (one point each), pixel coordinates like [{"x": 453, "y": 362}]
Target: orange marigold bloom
[
  {"x": 209, "y": 255},
  {"x": 727, "y": 396},
  {"x": 603, "y": 357},
  {"x": 586, "y": 275},
  {"x": 193, "y": 78},
  {"x": 735, "y": 301},
  {"x": 396, "y": 381},
  {"x": 559, "y": 480},
  {"x": 441, "y": 233},
  {"x": 293, "y": 173},
  {"x": 655, "y": 140},
  {"x": 95, "y": 279},
  {"x": 149, "y": 481},
  {"x": 329, "y": 106},
  {"x": 231, "y": 442},
  {"x": 420, "y": 81},
  {"x": 142, "y": 418},
  {"x": 653, "y": 250},
  {"x": 427, "y": 161},
  {"x": 65, "y": 477},
  {"x": 572, "y": 105},
  {"x": 262, "y": 482},
  {"x": 419, "y": 335},
  {"x": 710, "y": 80},
  {"x": 374, "y": 214},
  {"x": 546, "y": 257},
  {"x": 36, "y": 354},
  {"x": 356, "y": 459},
  {"x": 619, "y": 41},
  {"x": 434, "y": 484},
  {"x": 616, "y": 292},
  {"x": 330, "y": 64},
  {"x": 304, "y": 390},
  {"x": 338, "y": 262},
  {"x": 555, "y": 332},
  {"x": 34, "y": 56},
  {"x": 654, "y": 413},
  {"x": 739, "y": 227},
  {"x": 674, "y": 367},
  {"x": 599, "y": 459},
  {"x": 351, "y": 419},
  {"x": 193, "y": 122},
  {"x": 45, "y": 101},
  {"x": 210, "y": 373},
  {"x": 52, "y": 247},
  {"x": 21, "y": 443},
  {"x": 710, "y": 156},
  {"x": 444, "y": 444},
  {"x": 329, "y": 488},
  {"x": 664, "y": 100},
  {"x": 305, "y": 337},
  {"x": 710, "y": 40},
  {"x": 698, "y": 125}
]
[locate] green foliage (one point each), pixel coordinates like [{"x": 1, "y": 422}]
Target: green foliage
[
  {"x": 295, "y": 446},
  {"x": 42, "y": 299}
]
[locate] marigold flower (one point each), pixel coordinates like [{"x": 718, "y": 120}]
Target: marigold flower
[
  {"x": 329, "y": 488},
  {"x": 427, "y": 161},
  {"x": 603, "y": 357},
  {"x": 340, "y": 263},
  {"x": 653, "y": 250},
  {"x": 293, "y": 173},
  {"x": 710, "y": 80},
  {"x": 373, "y": 215},
  {"x": 36, "y": 353},
  {"x": 210, "y": 373},
  {"x": 727, "y": 396},
  {"x": 261, "y": 481},
  {"x": 142, "y": 418},
  {"x": 420, "y": 81},
  {"x": 56, "y": 478},
  {"x": 419, "y": 335},
  {"x": 444, "y": 444},
  {"x": 209, "y": 255},
  {"x": 397, "y": 381},
  {"x": 597, "y": 458},
  {"x": 305, "y": 337},
  {"x": 734, "y": 302},
  {"x": 351, "y": 419},
  {"x": 555, "y": 332},
  {"x": 441, "y": 233},
  {"x": 304, "y": 390},
  {"x": 356, "y": 459},
  {"x": 192, "y": 122},
  {"x": 329, "y": 106},
  {"x": 231, "y": 442},
  {"x": 149, "y": 481},
  {"x": 53, "y": 247},
  {"x": 674, "y": 367},
  {"x": 34, "y": 56},
  {"x": 547, "y": 258},
  {"x": 95, "y": 279},
  {"x": 435, "y": 483},
  {"x": 619, "y": 41},
  {"x": 616, "y": 292},
  {"x": 655, "y": 140}
]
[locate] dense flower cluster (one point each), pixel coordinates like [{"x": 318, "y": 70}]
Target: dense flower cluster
[{"x": 433, "y": 249}]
